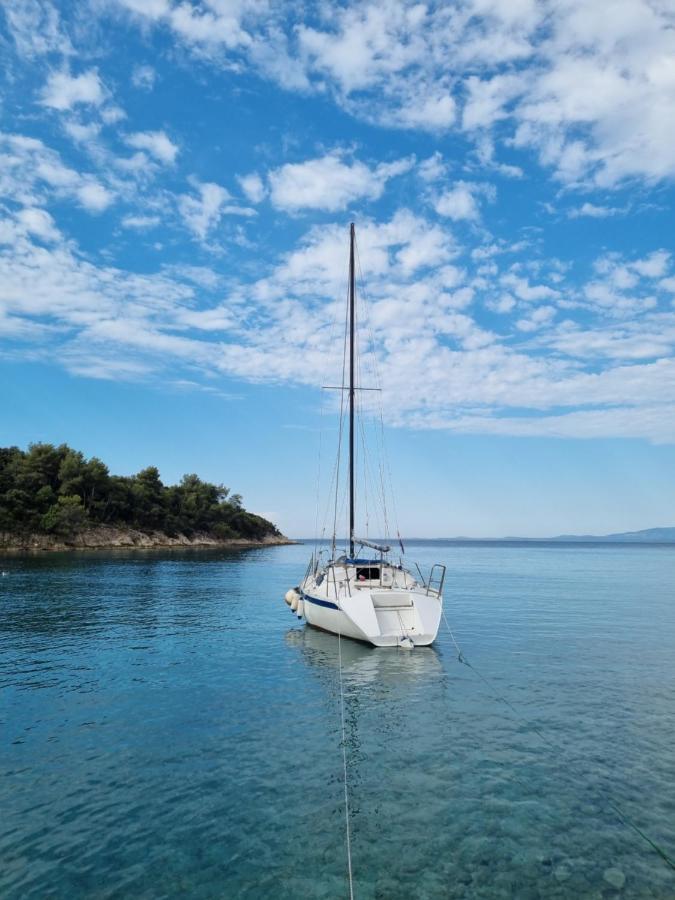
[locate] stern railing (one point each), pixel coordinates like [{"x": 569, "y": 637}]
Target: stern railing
[{"x": 437, "y": 580}]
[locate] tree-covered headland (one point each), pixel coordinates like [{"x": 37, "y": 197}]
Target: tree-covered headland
[{"x": 56, "y": 490}]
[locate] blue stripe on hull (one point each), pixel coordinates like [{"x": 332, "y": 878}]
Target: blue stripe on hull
[{"x": 319, "y": 602}]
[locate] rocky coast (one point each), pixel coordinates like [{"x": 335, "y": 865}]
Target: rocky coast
[{"x": 102, "y": 537}]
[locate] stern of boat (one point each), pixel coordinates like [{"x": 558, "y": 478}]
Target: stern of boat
[
  {"x": 405, "y": 616},
  {"x": 390, "y": 609}
]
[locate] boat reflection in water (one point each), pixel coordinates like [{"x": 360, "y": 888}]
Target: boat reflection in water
[
  {"x": 363, "y": 666},
  {"x": 395, "y": 733}
]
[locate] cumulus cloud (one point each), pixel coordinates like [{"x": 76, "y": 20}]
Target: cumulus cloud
[
  {"x": 203, "y": 210},
  {"x": 520, "y": 72},
  {"x": 426, "y": 111},
  {"x": 94, "y": 197},
  {"x": 487, "y": 99},
  {"x": 36, "y": 29},
  {"x": 433, "y": 168},
  {"x": 441, "y": 366},
  {"x": 521, "y": 287},
  {"x": 31, "y": 173},
  {"x": 63, "y": 91},
  {"x": 462, "y": 200},
  {"x": 654, "y": 265},
  {"x": 253, "y": 187},
  {"x": 330, "y": 183},
  {"x": 83, "y": 134},
  {"x": 38, "y": 222},
  {"x": 210, "y": 27},
  {"x": 539, "y": 317},
  {"x": 156, "y": 143}
]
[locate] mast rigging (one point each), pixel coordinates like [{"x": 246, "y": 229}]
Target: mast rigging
[{"x": 351, "y": 390}]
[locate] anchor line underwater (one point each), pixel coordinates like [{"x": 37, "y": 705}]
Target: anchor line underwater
[
  {"x": 344, "y": 772},
  {"x": 601, "y": 795}
]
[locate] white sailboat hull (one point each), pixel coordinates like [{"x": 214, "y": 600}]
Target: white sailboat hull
[{"x": 383, "y": 618}]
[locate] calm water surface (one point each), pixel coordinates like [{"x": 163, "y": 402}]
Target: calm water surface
[{"x": 168, "y": 729}]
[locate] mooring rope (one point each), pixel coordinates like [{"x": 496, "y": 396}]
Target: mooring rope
[
  {"x": 461, "y": 658},
  {"x": 344, "y": 771}
]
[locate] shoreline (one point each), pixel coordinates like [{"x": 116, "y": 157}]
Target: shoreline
[{"x": 110, "y": 538}]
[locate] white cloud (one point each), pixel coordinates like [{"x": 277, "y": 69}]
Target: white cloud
[
  {"x": 253, "y": 187},
  {"x": 428, "y": 113},
  {"x": 522, "y": 288},
  {"x": 202, "y": 213},
  {"x": 443, "y": 363},
  {"x": 112, "y": 114},
  {"x": 458, "y": 203},
  {"x": 156, "y": 143},
  {"x": 654, "y": 265},
  {"x": 539, "y": 317},
  {"x": 517, "y": 72},
  {"x": 370, "y": 43},
  {"x": 652, "y": 338},
  {"x": 64, "y": 91},
  {"x": 433, "y": 168},
  {"x": 143, "y": 77},
  {"x": 140, "y": 222},
  {"x": 502, "y": 304},
  {"x": 652, "y": 422},
  {"x": 623, "y": 288},
  {"x": 83, "y": 134},
  {"x": 594, "y": 212},
  {"x": 485, "y": 152},
  {"x": 329, "y": 183},
  {"x": 152, "y": 9},
  {"x": 487, "y": 99},
  {"x": 36, "y": 29},
  {"x": 462, "y": 201},
  {"x": 622, "y": 127},
  {"x": 94, "y": 197},
  {"x": 39, "y": 223},
  {"x": 32, "y": 173}
]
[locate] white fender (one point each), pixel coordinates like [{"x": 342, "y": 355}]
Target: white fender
[
  {"x": 295, "y": 601},
  {"x": 300, "y": 611},
  {"x": 288, "y": 596}
]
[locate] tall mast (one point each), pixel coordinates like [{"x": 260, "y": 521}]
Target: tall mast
[{"x": 351, "y": 390}]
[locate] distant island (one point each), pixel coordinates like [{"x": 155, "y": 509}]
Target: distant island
[
  {"x": 53, "y": 498},
  {"x": 646, "y": 536}
]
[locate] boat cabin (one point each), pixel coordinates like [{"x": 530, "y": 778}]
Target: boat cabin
[{"x": 369, "y": 573}]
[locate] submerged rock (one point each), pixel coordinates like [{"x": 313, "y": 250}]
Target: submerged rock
[
  {"x": 562, "y": 873},
  {"x": 615, "y": 877}
]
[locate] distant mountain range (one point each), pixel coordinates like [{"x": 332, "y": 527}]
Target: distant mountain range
[{"x": 646, "y": 536}]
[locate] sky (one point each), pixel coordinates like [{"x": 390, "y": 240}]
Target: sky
[{"x": 177, "y": 181}]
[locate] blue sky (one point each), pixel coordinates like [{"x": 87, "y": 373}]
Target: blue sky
[{"x": 176, "y": 184}]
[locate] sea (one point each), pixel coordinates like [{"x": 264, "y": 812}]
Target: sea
[{"x": 168, "y": 728}]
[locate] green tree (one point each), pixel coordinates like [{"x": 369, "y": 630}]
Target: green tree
[
  {"x": 66, "y": 517},
  {"x": 57, "y": 489},
  {"x": 148, "y": 490},
  {"x": 71, "y": 474}
]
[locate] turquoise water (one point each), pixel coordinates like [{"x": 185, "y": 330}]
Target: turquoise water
[{"x": 170, "y": 730}]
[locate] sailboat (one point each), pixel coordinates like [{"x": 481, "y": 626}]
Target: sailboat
[{"x": 364, "y": 593}]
